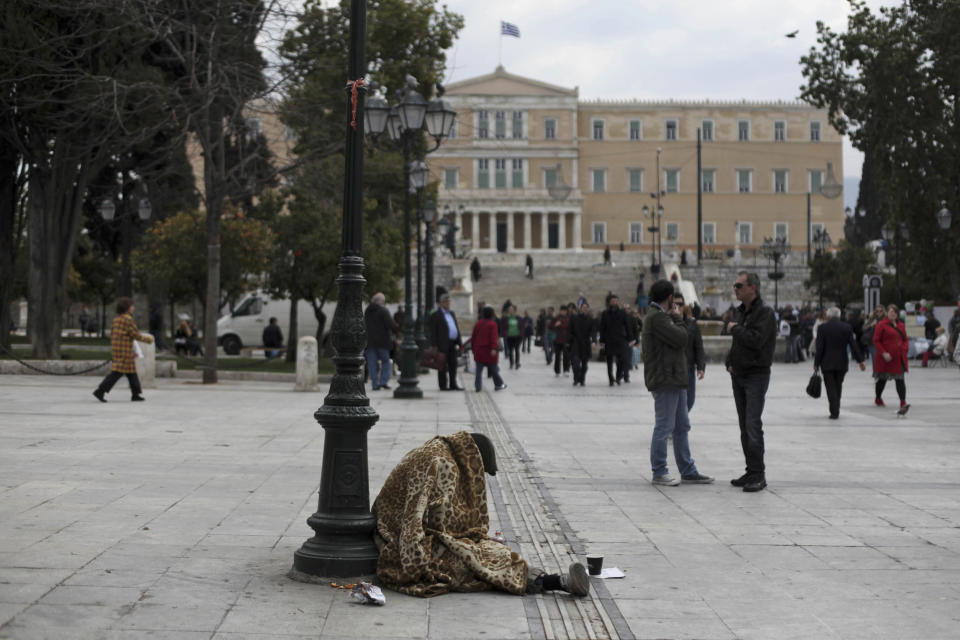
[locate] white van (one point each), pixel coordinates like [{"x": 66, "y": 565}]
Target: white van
[{"x": 244, "y": 327}]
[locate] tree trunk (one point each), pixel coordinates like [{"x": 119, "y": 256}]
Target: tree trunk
[
  {"x": 214, "y": 180},
  {"x": 293, "y": 332},
  {"x": 9, "y": 243}
]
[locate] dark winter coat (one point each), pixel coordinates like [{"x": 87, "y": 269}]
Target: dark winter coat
[
  {"x": 833, "y": 338},
  {"x": 664, "y": 351},
  {"x": 380, "y": 327},
  {"x": 695, "y": 355},
  {"x": 754, "y": 339}
]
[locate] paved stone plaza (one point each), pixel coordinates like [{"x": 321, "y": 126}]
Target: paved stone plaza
[{"x": 178, "y": 517}]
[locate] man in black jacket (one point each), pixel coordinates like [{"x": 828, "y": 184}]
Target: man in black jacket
[
  {"x": 444, "y": 334},
  {"x": 614, "y": 334},
  {"x": 581, "y": 333},
  {"x": 272, "y": 338},
  {"x": 754, "y": 331},
  {"x": 380, "y": 332},
  {"x": 833, "y": 338}
]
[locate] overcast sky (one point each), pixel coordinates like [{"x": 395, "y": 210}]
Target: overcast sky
[{"x": 651, "y": 49}]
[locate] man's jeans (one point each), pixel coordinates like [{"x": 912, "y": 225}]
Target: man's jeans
[
  {"x": 749, "y": 393},
  {"x": 381, "y": 356},
  {"x": 494, "y": 373},
  {"x": 670, "y": 409},
  {"x": 548, "y": 347}
]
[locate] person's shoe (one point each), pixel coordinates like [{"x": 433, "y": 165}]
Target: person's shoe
[
  {"x": 611, "y": 383},
  {"x": 576, "y": 582},
  {"x": 741, "y": 481},
  {"x": 666, "y": 479},
  {"x": 500, "y": 388},
  {"x": 697, "y": 478},
  {"x": 834, "y": 416},
  {"x": 902, "y": 411},
  {"x": 566, "y": 374},
  {"x": 755, "y": 484},
  {"x": 385, "y": 386},
  {"x": 618, "y": 383},
  {"x": 879, "y": 402},
  {"x": 626, "y": 379},
  {"x": 518, "y": 365},
  {"x": 137, "y": 399},
  {"x": 99, "y": 395}
]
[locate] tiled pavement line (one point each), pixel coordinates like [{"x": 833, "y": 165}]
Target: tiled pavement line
[{"x": 533, "y": 522}]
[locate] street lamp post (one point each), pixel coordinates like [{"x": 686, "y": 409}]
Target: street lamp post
[
  {"x": 429, "y": 217},
  {"x": 944, "y": 218},
  {"x": 108, "y": 211},
  {"x": 404, "y": 123},
  {"x": 343, "y": 542},
  {"x": 821, "y": 241},
  {"x": 654, "y": 267},
  {"x": 775, "y": 249},
  {"x": 895, "y": 232},
  {"x": 419, "y": 173}
]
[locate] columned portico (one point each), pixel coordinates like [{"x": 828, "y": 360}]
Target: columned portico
[
  {"x": 546, "y": 223},
  {"x": 526, "y": 230}
]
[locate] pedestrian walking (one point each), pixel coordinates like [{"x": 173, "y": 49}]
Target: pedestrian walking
[
  {"x": 485, "y": 342},
  {"x": 614, "y": 336},
  {"x": 581, "y": 333},
  {"x": 606, "y": 256},
  {"x": 549, "y": 336},
  {"x": 84, "y": 320},
  {"x": 511, "y": 327},
  {"x": 272, "y": 339},
  {"x": 665, "y": 375},
  {"x": 123, "y": 331},
  {"x": 696, "y": 359},
  {"x": 890, "y": 363},
  {"x": 561, "y": 356},
  {"x": 834, "y": 337},
  {"x": 475, "y": 269},
  {"x": 528, "y": 268},
  {"x": 444, "y": 334},
  {"x": 754, "y": 331},
  {"x": 381, "y": 329}
]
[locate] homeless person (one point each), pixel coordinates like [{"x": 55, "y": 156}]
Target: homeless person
[{"x": 432, "y": 525}]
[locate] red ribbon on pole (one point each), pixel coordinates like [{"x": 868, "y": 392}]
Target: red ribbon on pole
[{"x": 354, "y": 91}]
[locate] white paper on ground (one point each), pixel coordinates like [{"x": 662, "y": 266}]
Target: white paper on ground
[{"x": 611, "y": 572}]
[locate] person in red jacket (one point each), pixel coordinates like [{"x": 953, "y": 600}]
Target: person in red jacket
[
  {"x": 890, "y": 363},
  {"x": 485, "y": 341}
]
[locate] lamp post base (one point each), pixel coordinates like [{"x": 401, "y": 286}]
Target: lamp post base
[{"x": 408, "y": 386}]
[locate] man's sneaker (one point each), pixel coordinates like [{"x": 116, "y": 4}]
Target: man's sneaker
[
  {"x": 879, "y": 402},
  {"x": 577, "y": 581},
  {"x": 697, "y": 478},
  {"x": 137, "y": 399},
  {"x": 99, "y": 395},
  {"x": 500, "y": 388},
  {"x": 756, "y": 483},
  {"x": 741, "y": 481},
  {"x": 665, "y": 479},
  {"x": 902, "y": 411}
]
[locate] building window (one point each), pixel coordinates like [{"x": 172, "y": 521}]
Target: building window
[
  {"x": 779, "y": 180},
  {"x": 743, "y": 130},
  {"x": 254, "y": 128},
  {"x": 814, "y": 131},
  {"x": 706, "y": 130},
  {"x": 483, "y": 124},
  {"x": 636, "y": 180},
  {"x": 599, "y": 180},
  {"x": 672, "y": 180},
  {"x": 816, "y": 181},
  {"x": 780, "y": 231},
  {"x": 672, "y": 129},
  {"x": 450, "y": 178},
  {"x": 500, "y": 124},
  {"x": 599, "y": 232},
  {"x": 708, "y": 179},
  {"x": 518, "y": 124},
  {"x": 709, "y": 232},
  {"x": 550, "y": 128},
  {"x": 517, "y": 173},
  {"x": 500, "y": 173},
  {"x": 636, "y": 232},
  {"x": 779, "y": 131},
  {"x": 636, "y": 130},
  {"x": 744, "y": 232},
  {"x": 483, "y": 173},
  {"x": 549, "y": 177},
  {"x": 673, "y": 231},
  {"x": 743, "y": 180},
  {"x": 289, "y": 133},
  {"x": 598, "y": 129}
]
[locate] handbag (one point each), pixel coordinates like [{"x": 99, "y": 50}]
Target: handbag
[
  {"x": 815, "y": 385},
  {"x": 433, "y": 359}
]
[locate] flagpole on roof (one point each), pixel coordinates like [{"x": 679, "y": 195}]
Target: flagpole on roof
[{"x": 500, "y": 46}]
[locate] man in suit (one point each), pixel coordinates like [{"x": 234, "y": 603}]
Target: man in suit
[
  {"x": 833, "y": 338},
  {"x": 445, "y": 336}
]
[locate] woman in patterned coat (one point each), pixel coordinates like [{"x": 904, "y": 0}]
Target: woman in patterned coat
[{"x": 123, "y": 332}]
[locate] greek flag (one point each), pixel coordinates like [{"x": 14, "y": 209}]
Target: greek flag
[{"x": 507, "y": 29}]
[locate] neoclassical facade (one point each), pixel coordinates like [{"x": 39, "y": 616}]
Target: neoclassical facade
[{"x": 530, "y": 168}]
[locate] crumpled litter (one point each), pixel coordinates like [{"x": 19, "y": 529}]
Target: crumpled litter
[{"x": 366, "y": 593}]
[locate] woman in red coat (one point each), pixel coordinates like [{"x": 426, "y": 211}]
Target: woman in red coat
[
  {"x": 486, "y": 345},
  {"x": 890, "y": 339}
]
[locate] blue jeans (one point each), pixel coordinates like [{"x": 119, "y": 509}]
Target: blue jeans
[
  {"x": 374, "y": 357},
  {"x": 670, "y": 409},
  {"x": 749, "y": 394},
  {"x": 548, "y": 347},
  {"x": 494, "y": 373},
  {"x": 691, "y": 387}
]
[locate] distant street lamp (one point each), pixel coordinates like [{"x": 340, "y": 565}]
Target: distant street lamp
[
  {"x": 108, "y": 210},
  {"x": 895, "y": 232},
  {"x": 775, "y": 249},
  {"x": 419, "y": 174},
  {"x": 821, "y": 241}
]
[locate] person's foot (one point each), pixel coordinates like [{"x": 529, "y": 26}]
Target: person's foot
[
  {"x": 577, "y": 582},
  {"x": 500, "y": 388},
  {"x": 755, "y": 483},
  {"x": 566, "y": 374},
  {"x": 902, "y": 411},
  {"x": 456, "y": 388},
  {"x": 611, "y": 383},
  {"x": 374, "y": 388},
  {"x": 666, "y": 480},
  {"x": 626, "y": 379},
  {"x": 618, "y": 383},
  {"x": 137, "y": 399},
  {"x": 879, "y": 402},
  {"x": 385, "y": 386},
  {"x": 741, "y": 481},
  {"x": 697, "y": 478},
  {"x": 99, "y": 395},
  {"x": 518, "y": 365},
  {"x": 834, "y": 416}
]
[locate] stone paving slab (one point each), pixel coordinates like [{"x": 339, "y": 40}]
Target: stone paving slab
[{"x": 178, "y": 517}]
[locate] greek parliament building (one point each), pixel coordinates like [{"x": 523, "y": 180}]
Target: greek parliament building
[{"x": 532, "y": 168}]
